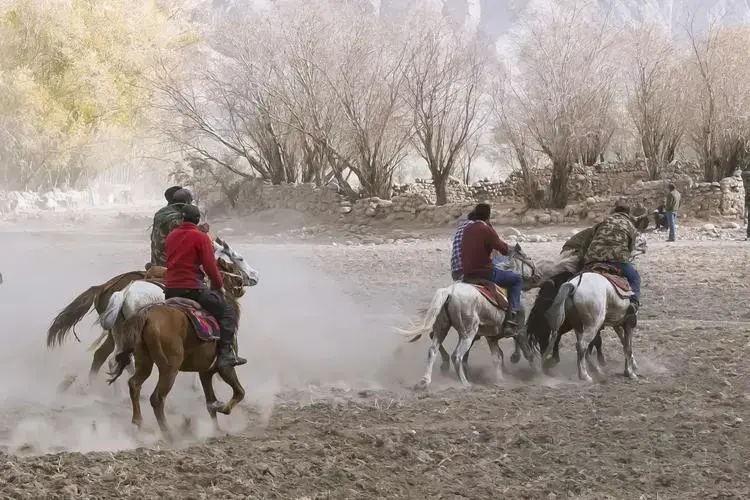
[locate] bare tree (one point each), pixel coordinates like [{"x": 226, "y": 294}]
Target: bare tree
[
  {"x": 720, "y": 96},
  {"x": 565, "y": 86},
  {"x": 444, "y": 88},
  {"x": 655, "y": 100},
  {"x": 511, "y": 135},
  {"x": 340, "y": 80}
]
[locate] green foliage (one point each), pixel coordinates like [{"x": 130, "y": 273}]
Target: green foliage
[{"x": 68, "y": 72}]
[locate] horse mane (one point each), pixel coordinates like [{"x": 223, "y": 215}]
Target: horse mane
[{"x": 566, "y": 262}]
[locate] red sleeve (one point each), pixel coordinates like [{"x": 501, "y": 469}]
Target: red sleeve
[
  {"x": 495, "y": 242},
  {"x": 209, "y": 262}
]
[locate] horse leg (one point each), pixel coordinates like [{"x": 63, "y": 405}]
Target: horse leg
[
  {"x": 627, "y": 350},
  {"x": 556, "y": 351},
  {"x": 143, "y": 368},
  {"x": 445, "y": 365},
  {"x": 465, "y": 339},
  {"x": 439, "y": 332},
  {"x": 206, "y": 379},
  {"x": 466, "y": 356},
  {"x": 516, "y": 356},
  {"x": 101, "y": 354},
  {"x": 630, "y": 366},
  {"x": 229, "y": 375},
  {"x": 583, "y": 372},
  {"x": 497, "y": 358},
  {"x": 167, "y": 376},
  {"x": 597, "y": 342}
]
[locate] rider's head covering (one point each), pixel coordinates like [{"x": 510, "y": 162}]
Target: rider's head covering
[
  {"x": 182, "y": 196},
  {"x": 482, "y": 212},
  {"x": 169, "y": 193},
  {"x": 621, "y": 207},
  {"x": 190, "y": 213}
]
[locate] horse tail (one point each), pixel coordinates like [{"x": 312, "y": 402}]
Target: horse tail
[
  {"x": 127, "y": 333},
  {"x": 556, "y": 313},
  {"x": 69, "y": 317},
  {"x": 439, "y": 301},
  {"x": 108, "y": 318}
]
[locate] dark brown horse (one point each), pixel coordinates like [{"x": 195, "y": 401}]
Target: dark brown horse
[{"x": 162, "y": 335}]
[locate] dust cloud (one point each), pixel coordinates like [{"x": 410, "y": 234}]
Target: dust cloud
[{"x": 300, "y": 330}]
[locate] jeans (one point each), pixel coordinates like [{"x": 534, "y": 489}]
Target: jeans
[
  {"x": 216, "y": 305},
  {"x": 631, "y": 274},
  {"x": 513, "y": 283},
  {"x": 671, "y": 219}
]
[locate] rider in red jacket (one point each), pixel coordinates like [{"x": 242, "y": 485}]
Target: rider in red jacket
[{"x": 188, "y": 249}]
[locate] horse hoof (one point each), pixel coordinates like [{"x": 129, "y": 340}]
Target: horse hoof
[
  {"x": 421, "y": 385},
  {"x": 217, "y": 406},
  {"x": 515, "y": 358},
  {"x": 631, "y": 375},
  {"x": 137, "y": 423}
]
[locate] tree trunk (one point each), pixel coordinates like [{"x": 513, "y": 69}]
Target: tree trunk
[
  {"x": 441, "y": 191},
  {"x": 559, "y": 184}
]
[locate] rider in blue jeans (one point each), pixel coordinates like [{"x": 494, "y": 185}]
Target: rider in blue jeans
[{"x": 479, "y": 241}]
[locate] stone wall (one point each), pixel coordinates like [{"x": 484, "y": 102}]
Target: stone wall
[{"x": 595, "y": 191}]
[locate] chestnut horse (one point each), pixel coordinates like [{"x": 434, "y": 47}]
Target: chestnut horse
[
  {"x": 99, "y": 297},
  {"x": 162, "y": 335}
]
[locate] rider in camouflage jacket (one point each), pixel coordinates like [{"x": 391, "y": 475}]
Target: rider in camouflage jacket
[
  {"x": 579, "y": 243},
  {"x": 613, "y": 243},
  {"x": 166, "y": 219}
]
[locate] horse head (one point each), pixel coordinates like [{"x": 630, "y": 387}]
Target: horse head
[
  {"x": 234, "y": 265},
  {"x": 520, "y": 263}
]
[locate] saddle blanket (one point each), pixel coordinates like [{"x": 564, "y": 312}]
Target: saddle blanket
[
  {"x": 613, "y": 275},
  {"x": 205, "y": 325},
  {"x": 496, "y": 295}
]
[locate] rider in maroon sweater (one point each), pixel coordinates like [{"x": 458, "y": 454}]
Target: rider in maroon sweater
[
  {"x": 188, "y": 248},
  {"x": 479, "y": 241}
]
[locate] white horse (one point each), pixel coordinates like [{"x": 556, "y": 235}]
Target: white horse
[
  {"x": 591, "y": 301},
  {"x": 124, "y": 304},
  {"x": 464, "y": 308}
]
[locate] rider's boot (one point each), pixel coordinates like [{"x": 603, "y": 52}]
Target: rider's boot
[{"x": 226, "y": 357}]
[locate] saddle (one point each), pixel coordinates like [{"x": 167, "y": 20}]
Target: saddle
[
  {"x": 496, "y": 295},
  {"x": 614, "y": 276},
  {"x": 206, "y": 327}
]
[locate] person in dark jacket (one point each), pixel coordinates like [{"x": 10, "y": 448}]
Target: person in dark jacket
[
  {"x": 190, "y": 253},
  {"x": 479, "y": 241},
  {"x": 166, "y": 219}
]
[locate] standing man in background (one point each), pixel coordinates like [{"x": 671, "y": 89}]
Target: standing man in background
[{"x": 672, "y": 206}]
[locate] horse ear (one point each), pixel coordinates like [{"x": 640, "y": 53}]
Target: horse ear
[{"x": 517, "y": 247}]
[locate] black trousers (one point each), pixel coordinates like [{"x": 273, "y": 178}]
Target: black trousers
[{"x": 216, "y": 305}]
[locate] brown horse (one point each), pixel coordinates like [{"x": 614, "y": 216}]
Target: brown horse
[
  {"x": 235, "y": 270},
  {"x": 162, "y": 335}
]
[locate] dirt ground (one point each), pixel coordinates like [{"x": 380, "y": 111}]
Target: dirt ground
[{"x": 330, "y": 412}]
